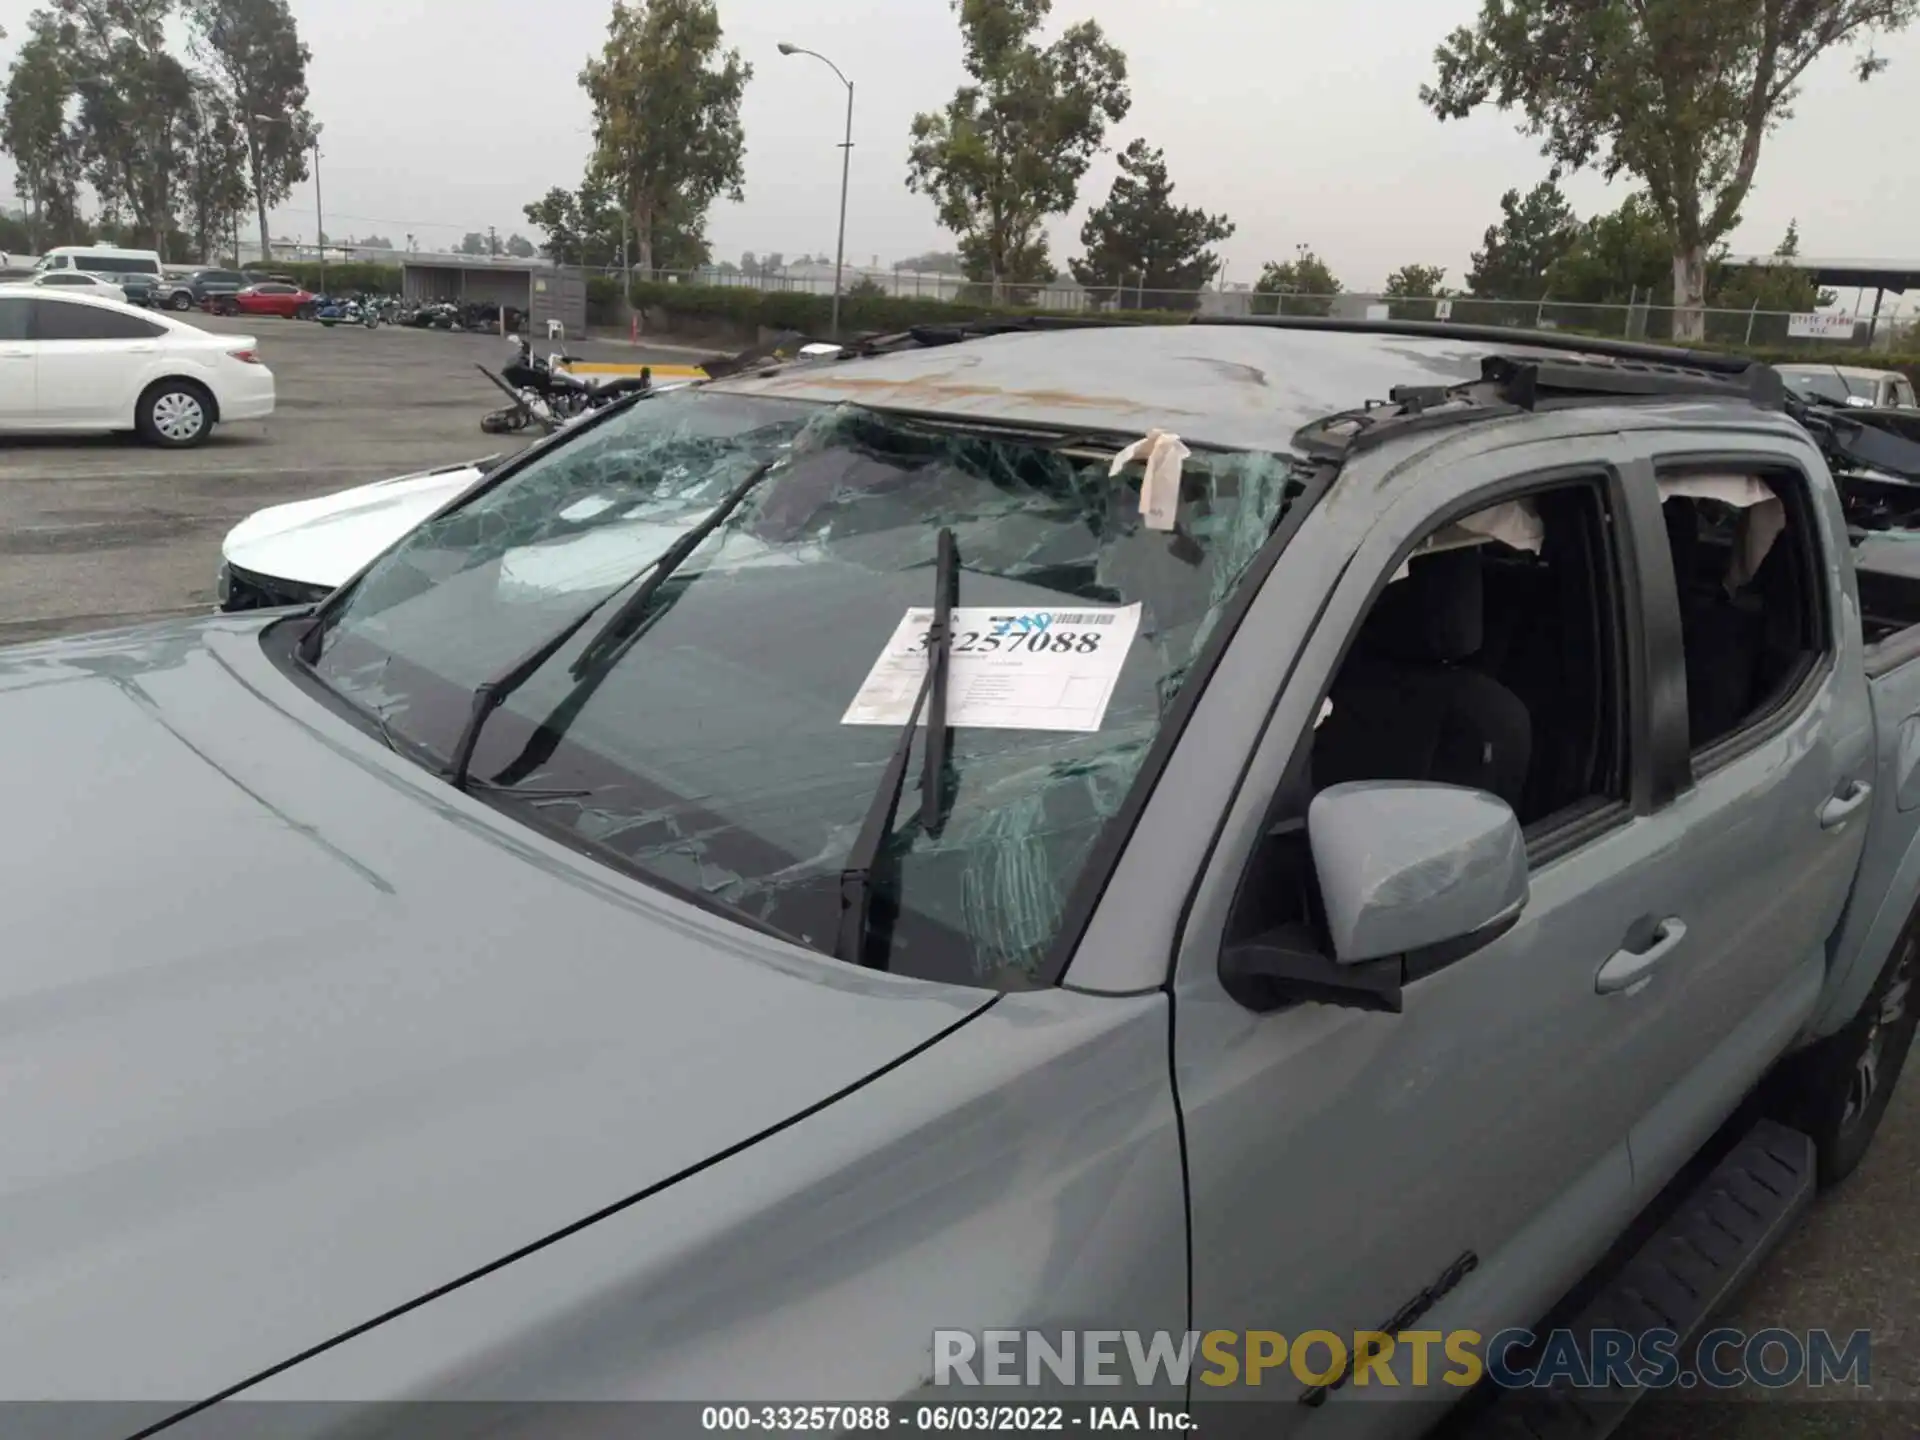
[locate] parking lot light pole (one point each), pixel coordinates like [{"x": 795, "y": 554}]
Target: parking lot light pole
[
  {"x": 319, "y": 212},
  {"x": 846, "y": 161}
]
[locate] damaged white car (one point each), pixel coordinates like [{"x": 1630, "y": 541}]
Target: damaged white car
[
  {"x": 297, "y": 553},
  {"x": 302, "y": 551}
]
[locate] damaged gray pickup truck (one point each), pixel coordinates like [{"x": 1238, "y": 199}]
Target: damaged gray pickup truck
[{"x": 1221, "y": 827}]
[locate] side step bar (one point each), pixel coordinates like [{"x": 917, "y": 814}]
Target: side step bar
[{"x": 1677, "y": 1281}]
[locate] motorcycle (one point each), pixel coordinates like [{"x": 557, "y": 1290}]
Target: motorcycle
[
  {"x": 545, "y": 394},
  {"x": 334, "y": 310}
]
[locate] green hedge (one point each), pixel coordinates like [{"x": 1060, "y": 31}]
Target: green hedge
[
  {"x": 603, "y": 301},
  {"x": 743, "y": 306}
]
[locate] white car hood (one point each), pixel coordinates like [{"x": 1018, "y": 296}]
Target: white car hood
[{"x": 329, "y": 539}]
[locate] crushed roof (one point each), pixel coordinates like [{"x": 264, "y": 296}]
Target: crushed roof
[{"x": 1233, "y": 387}]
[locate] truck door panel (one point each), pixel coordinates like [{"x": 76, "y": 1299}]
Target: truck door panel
[
  {"x": 1341, "y": 1160},
  {"x": 1756, "y": 875}
]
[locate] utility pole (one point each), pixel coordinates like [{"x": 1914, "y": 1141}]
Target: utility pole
[{"x": 319, "y": 213}]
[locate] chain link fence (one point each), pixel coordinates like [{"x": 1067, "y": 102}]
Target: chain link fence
[{"x": 1636, "y": 321}]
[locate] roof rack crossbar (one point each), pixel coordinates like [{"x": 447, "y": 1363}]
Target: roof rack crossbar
[{"x": 1529, "y": 381}]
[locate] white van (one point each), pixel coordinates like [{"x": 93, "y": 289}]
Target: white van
[{"x": 101, "y": 260}]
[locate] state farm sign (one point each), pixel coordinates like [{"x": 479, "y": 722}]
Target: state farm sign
[{"x": 1820, "y": 327}]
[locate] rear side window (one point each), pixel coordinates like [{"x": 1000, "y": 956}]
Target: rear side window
[
  {"x": 1747, "y": 564},
  {"x": 15, "y": 313},
  {"x": 59, "y": 320},
  {"x": 120, "y": 265}
]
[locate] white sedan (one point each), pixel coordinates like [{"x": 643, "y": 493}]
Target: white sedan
[
  {"x": 72, "y": 363},
  {"x": 78, "y": 282}
]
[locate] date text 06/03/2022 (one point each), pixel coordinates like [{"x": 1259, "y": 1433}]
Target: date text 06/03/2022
[{"x": 942, "y": 1418}]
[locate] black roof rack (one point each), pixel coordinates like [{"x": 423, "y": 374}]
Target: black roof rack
[
  {"x": 1513, "y": 384},
  {"x": 1531, "y": 382}
]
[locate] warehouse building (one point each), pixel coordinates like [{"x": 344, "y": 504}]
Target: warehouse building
[{"x": 544, "y": 291}]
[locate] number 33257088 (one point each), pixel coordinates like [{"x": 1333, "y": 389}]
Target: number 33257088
[{"x": 1038, "y": 642}]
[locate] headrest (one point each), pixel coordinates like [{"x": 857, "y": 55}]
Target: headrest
[{"x": 1436, "y": 614}]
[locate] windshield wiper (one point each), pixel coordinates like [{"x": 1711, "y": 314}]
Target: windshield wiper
[
  {"x": 597, "y": 649},
  {"x": 934, "y": 779},
  {"x": 856, "y": 878},
  {"x": 491, "y": 694}
]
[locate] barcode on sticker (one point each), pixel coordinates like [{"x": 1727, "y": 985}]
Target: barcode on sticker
[{"x": 1091, "y": 618}]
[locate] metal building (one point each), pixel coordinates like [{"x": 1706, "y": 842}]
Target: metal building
[{"x": 545, "y": 291}]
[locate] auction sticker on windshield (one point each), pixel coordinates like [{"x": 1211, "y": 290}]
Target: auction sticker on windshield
[{"x": 1008, "y": 669}]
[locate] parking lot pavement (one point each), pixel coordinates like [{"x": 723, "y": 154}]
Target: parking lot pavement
[
  {"x": 1852, "y": 1263},
  {"x": 105, "y": 531}
]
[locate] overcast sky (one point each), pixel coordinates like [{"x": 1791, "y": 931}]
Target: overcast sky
[{"x": 1300, "y": 120}]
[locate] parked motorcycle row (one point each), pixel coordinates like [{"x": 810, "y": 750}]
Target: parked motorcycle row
[
  {"x": 372, "y": 311},
  {"x": 447, "y": 315}
]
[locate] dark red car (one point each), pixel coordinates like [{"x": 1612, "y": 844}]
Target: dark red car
[{"x": 271, "y": 297}]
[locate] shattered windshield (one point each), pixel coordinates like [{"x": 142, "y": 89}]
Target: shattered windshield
[{"x": 730, "y": 750}]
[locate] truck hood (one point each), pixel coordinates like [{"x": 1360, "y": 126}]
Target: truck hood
[
  {"x": 295, "y": 1034},
  {"x": 327, "y": 540}
]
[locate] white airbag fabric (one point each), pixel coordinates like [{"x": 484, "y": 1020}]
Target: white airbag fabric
[
  {"x": 1762, "y": 516},
  {"x": 1514, "y": 523}
]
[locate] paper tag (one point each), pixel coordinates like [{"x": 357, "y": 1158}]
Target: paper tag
[
  {"x": 1160, "y": 488},
  {"x": 1009, "y": 669}
]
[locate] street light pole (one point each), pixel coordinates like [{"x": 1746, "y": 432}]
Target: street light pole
[
  {"x": 846, "y": 166},
  {"x": 319, "y": 212}
]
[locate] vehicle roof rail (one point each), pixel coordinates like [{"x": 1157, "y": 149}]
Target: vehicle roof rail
[
  {"x": 1530, "y": 381},
  {"x": 1712, "y": 361}
]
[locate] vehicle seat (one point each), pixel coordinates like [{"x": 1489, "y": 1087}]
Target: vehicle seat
[
  {"x": 1722, "y": 638},
  {"x": 1406, "y": 708}
]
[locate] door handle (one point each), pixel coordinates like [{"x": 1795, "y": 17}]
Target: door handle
[
  {"x": 1626, "y": 968},
  {"x": 16, "y": 354},
  {"x": 1836, "y": 811},
  {"x": 141, "y": 349}
]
